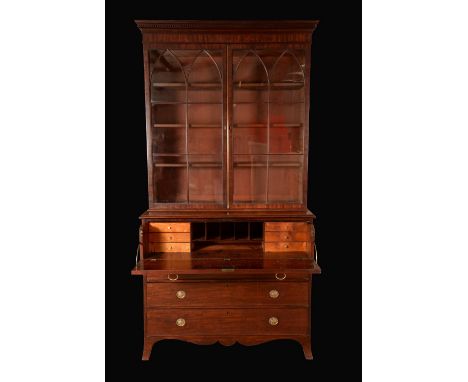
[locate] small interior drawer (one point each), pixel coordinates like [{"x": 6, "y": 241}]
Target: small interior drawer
[
  {"x": 169, "y": 247},
  {"x": 169, "y": 227},
  {"x": 287, "y": 236},
  {"x": 287, "y": 226},
  {"x": 281, "y": 246},
  {"x": 169, "y": 237}
]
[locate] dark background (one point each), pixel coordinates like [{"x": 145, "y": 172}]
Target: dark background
[{"x": 334, "y": 196}]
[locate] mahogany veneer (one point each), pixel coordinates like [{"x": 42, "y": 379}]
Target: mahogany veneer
[{"x": 226, "y": 248}]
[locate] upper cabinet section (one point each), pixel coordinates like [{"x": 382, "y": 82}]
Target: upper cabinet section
[{"x": 227, "y": 113}]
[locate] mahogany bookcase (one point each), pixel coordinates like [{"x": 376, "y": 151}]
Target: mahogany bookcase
[{"x": 227, "y": 246}]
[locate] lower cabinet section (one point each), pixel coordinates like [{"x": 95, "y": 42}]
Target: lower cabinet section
[{"x": 195, "y": 321}]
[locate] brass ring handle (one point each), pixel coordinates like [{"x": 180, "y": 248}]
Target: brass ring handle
[
  {"x": 172, "y": 278},
  {"x": 180, "y": 322},
  {"x": 180, "y": 294},
  {"x": 274, "y": 293},
  {"x": 280, "y": 278},
  {"x": 273, "y": 321}
]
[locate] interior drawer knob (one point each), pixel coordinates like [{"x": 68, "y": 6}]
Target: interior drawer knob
[
  {"x": 169, "y": 227},
  {"x": 274, "y": 293},
  {"x": 180, "y": 322},
  {"x": 273, "y": 321},
  {"x": 180, "y": 294},
  {"x": 286, "y": 246}
]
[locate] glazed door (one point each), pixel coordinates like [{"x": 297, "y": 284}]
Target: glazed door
[
  {"x": 267, "y": 126},
  {"x": 186, "y": 132}
]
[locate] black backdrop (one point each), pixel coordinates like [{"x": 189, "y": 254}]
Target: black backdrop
[{"x": 334, "y": 196}]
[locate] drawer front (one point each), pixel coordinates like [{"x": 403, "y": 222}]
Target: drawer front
[
  {"x": 191, "y": 321},
  {"x": 281, "y": 246},
  {"x": 169, "y": 247},
  {"x": 217, "y": 294},
  {"x": 169, "y": 227},
  {"x": 180, "y": 278},
  {"x": 287, "y": 236},
  {"x": 169, "y": 237},
  {"x": 280, "y": 226}
]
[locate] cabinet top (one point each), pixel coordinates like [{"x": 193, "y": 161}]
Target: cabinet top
[{"x": 224, "y": 25}]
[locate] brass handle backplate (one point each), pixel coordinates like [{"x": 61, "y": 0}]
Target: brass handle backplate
[
  {"x": 274, "y": 293},
  {"x": 180, "y": 294},
  {"x": 180, "y": 322},
  {"x": 273, "y": 321}
]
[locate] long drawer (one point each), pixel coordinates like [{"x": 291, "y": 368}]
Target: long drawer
[
  {"x": 226, "y": 321},
  {"x": 226, "y": 294}
]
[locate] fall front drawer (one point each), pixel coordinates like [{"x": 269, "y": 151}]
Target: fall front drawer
[
  {"x": 226, "y": 321},
  {"x": 226, "y": 294}
]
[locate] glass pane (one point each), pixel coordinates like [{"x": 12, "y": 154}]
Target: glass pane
[
  {"x": 288, "y": 71},
  {"x": 205, "y": 77},
  {"x": 170, "y": 178},
  {"x": 205, "y": 129},
  {"x": 285, "y": 183},
  {"x": 167, "y": 77},
  {"x": 169, "y": 140},
  {"x": 250, "y": 175},
  {"x": 205, "y": 179},
  {"x": 286, "y": 128}
]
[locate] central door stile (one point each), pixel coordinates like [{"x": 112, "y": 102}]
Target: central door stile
[{"x": 227, "y": 124}]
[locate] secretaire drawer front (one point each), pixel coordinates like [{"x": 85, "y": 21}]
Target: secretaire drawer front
[
  {"x": 169, "y": 247},
  {"x": 169, "y": 227},
  {"x": 169, "y": 237},
  {"x": 286, "y": 246},
  {"x": 201, "y": 294},
  {"x": 287, "y": 236},
  {"x": 287, "y": 226},
  {"x": 226, "y": 321}
]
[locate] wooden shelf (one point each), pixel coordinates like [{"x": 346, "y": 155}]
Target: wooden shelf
[
  {"x": 184, "y": 103},
  {"x": 270, "y": 163},
  {"x": 191, "y": 164},
  {"x": 190, "y": 86},
  {"x": 268, "y": 102},
  {"x": 265, "y": 86},
  {"x": 192, "y": 125},
  {"x": 252, "y": 125}
]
